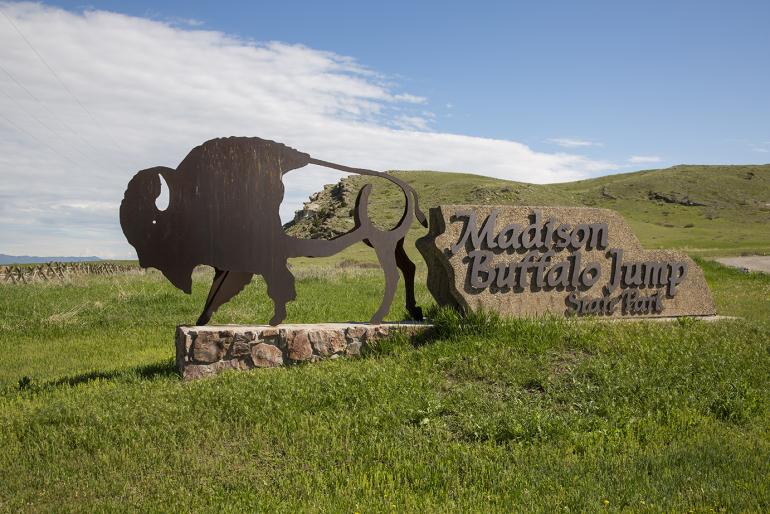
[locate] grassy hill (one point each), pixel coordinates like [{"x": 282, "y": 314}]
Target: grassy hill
[{"x": 705, "y": 210}]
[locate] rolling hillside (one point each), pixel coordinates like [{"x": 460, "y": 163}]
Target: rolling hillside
[{"x": 705, "y": 210}]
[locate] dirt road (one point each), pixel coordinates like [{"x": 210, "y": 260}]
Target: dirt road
[{"x": 752, "y": 263}]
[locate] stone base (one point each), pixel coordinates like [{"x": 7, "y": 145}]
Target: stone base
[{"x": 208, "y": 350}]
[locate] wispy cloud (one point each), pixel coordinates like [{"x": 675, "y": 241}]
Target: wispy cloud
[
  {"x": 190, "y": 22},
  {"x": 572, "y": 142},
  {"x": 411, "y": 123},
  {"x": 644, "y": 159},
  {"x": 412, "y": 99},
  {"x": 121, "y": 93},
  {"x": 761, "y": 147}
]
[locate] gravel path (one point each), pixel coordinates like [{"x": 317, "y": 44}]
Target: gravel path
[{"x": 753, "y": 263}]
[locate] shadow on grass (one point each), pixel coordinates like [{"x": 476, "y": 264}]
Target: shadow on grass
[
  {"x": 152, "y": 371},
  {"x": 146, "y": 372},
  {"x": 398, "y": 341}
]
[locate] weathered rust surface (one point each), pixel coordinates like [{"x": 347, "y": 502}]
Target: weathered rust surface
[
  {"x": 486, "y": 274},
  {"x": 223, "y": 211}
]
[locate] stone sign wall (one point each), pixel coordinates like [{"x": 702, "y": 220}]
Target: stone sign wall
[{"x": 528, "y": 261}]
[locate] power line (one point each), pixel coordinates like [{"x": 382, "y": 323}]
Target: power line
[
  {"x": 59, "y": 80},
  {"x": 46, "y": 107},
  {"x": 18, "y": 104},
  {"x": 45, "y": 125},
  {"x": 35, "y": 98},
  {"x": 52, "y": 113},
  {"x": 22, "y": 129}
]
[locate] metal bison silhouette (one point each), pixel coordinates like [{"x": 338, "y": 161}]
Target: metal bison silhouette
[{"x": 223, "y": 212}]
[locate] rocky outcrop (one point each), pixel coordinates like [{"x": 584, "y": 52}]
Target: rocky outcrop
[
  {"x": 327, "y": 213},
  {"x": 674, "y": 198}
]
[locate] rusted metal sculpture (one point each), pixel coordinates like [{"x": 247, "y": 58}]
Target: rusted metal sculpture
[{"x": 223, "y": 212}]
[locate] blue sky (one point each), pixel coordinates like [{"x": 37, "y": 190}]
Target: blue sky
[
  {"x": 528, "y": 91},
  {"x": 685, "y": 81}
]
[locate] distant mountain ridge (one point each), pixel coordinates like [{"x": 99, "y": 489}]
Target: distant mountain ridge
[{"x": 32, "y": 259}]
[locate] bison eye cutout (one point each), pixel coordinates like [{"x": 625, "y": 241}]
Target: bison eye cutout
[{"x": 161, "y": 202}]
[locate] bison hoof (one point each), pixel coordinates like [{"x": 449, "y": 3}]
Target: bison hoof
[
  {"x": 416, "y": 313},
  {"x": 203, "y": 319},
  {"x": 278, "y": 317}
]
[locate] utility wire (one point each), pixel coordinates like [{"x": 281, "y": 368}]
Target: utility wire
[
  {"x": 48, "y": 109},
  {"x": 50, "y": 129},
  {"x": 35, "y": 98},
  {"x": 40, "y": 141},
  {"x": 18, "y": 104},
  {"x": 59, "y": 80}
]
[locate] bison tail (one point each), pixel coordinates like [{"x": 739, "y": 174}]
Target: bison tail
[
  {"x": 297, "y": 247},
  {"x": 409, "y": 192},
  {"x": 417, "y": 212}
]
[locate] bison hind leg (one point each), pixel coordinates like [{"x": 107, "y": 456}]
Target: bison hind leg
[
  {"x": 408, "y": 269},
  {"x": 390, "y": 259},
  {"x": 387, "y": 256}
]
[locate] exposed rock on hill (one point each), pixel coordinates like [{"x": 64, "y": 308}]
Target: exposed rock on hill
[
  {"x": 684, "y": 206},
  {"x": 674, "y": 198}
]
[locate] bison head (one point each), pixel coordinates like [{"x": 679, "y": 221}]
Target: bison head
[{"x": 155, "y": 234}]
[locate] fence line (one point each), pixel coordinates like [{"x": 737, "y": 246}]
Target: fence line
[{"x": 60, "y": 270}]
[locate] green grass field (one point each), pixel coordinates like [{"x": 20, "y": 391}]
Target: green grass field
[{"x": 489, "y": 415}]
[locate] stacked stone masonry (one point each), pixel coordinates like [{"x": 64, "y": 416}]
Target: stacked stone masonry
[{"x": 205, "y": 351}]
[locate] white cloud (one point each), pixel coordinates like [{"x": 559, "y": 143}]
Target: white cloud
[
  {"x": 141, "y": 92},
  {"x": 572, "y": 142},
  {"x": 190, "y": 22},
  {"x": 644, "y": 159},
  {"x": 412, "y": 122}
]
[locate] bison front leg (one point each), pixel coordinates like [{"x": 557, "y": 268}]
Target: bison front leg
[
  {"x": 280, "y": 289},
  {"x": 226, "y": 285}
]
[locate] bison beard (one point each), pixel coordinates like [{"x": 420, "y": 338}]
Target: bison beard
[{"x": 223, "y": 211}]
